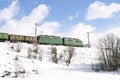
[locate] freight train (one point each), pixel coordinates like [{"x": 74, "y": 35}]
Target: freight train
[{"x": 42, "y": 39}]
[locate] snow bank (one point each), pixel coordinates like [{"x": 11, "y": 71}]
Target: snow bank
[{"x": 35, "y": 69}]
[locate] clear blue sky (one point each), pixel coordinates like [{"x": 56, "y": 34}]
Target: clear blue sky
[{"x": 61, "y": 10}]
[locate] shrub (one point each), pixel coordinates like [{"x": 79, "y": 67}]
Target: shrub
[
  {"x": 6, "y": 73},
  {"x": 19, "y": 70},
  {"x": 40, "y": 52},
  {"x": 69, "y": 54},
  {"x": 29, "y": 53},
  {"x": 18, "y": 47},
  {"x": 32, "y": 53},
  {"x": 35, "y": 48},
  {"x": 12, "y": 46},
  {"x": 54, "y": 54}
]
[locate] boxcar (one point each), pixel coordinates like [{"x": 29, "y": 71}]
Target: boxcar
[
  {"x": 47, "y": 39},
  {"x": 3, "y": 36},
  {"x": 29, "y": 39},
  {"x": 32, "y": 39},
  {"x": 16, "y": 38}
]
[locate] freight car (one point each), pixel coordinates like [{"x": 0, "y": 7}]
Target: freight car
[
  {"x": 3, "y": 36},
  {"x": 16, "y": 38},
  {"x": 29, "y": 39},
  {"x": 21, "y": 38},
  {"x": 52, "y": 40}
]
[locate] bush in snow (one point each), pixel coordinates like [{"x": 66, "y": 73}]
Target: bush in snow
[
  {"x": 35, "y": 71},
  {"x": 12, "y": 46},
  {"x": 32, "y": 53},
  {"x": 54, "y": 54},
  {"x": 40, "y": 54},
  {"x": 35, "y": 48},
  {"x": 18, "y": 47},
  {"x": 6, "y": 73},
  {"x": 109, "y": 53},
  {"x": 19, "y": 70},
  {"x": 69, "y": 54},
  {"x": 29, "y": 53},
  {"x": 35, "y": 52}
]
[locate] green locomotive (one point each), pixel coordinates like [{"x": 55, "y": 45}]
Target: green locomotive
[
  {"x": 52, "y": 40},
  {"x": 56, "y": 40}
]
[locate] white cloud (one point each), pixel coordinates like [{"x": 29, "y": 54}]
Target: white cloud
[
  {"x": 115, "y": 31},
  {"x": 26, "y": 25},
  {"x": 37, "y": 14},
  {"x": 99, "y": 10},
  {"x": 10, "y": 11},
  {"x": 80, "y": 31},
  {"x": 49, "y": 28},
  {"x": 76, "y": 15}
]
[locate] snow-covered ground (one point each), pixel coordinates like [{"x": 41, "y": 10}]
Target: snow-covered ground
[{"x": 79, "y": 69}]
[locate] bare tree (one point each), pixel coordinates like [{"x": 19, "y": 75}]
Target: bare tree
[
  {"x": 54, "y": 54},
  {"x": 69, "y": 54},
  {"x": 109, "y": 53}
]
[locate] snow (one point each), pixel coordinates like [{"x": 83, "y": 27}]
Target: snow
[{"x": 79, "y": 69}]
